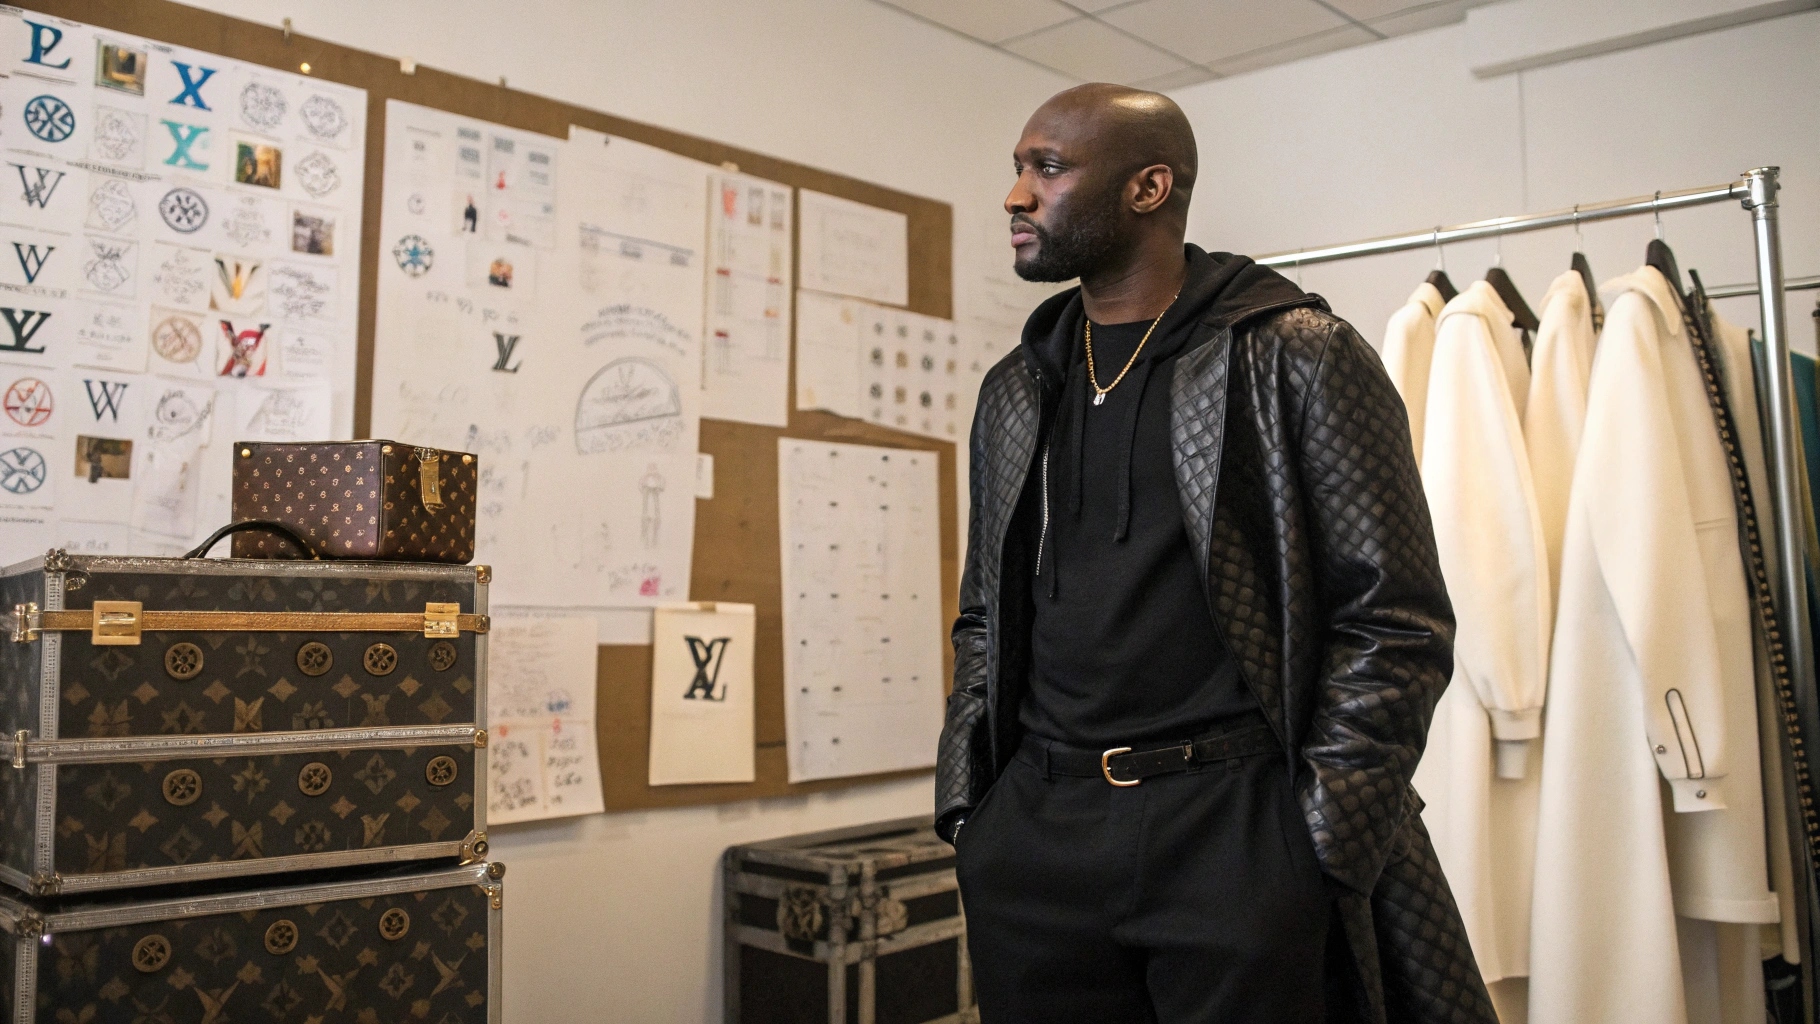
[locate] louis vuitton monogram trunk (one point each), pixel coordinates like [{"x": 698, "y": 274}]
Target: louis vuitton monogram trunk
[
  {"x": 165, "y": 720},
  {"x": 418, "y": 946},
  {"x": 853, "y": 926},
  {"x": 357, "y": 499}
]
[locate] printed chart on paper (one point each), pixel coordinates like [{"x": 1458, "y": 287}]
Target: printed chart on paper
[
  {"x": 179, "y": 270},
  {"x": 861, "y": 533},
  {"x": 542, "y": 757},
  {"x": 541, "y": 305},
  {"x": 887, "y": 366}
]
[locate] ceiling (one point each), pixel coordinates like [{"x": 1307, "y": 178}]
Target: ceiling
[{"x": 1168, "y": 44}]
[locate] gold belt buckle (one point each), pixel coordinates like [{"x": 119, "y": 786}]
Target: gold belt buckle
[{"x": 1106, "y": 767}]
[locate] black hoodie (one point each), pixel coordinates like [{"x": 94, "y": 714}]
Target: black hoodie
[{"x": 1124, "y": 651}]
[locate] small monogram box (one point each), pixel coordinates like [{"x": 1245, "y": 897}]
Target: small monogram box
[{"x": 357, "y": 499}]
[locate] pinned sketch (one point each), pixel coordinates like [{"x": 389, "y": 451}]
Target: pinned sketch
[
  {"x": 888, "y": 366},
  {"x": 627, "y": 403},
  {"x": 850, "y": 248},
  {"x": 863, "y": 633},
  {"x": 172, "y": 218},
  {"x": 701, "y": 694},
  {"x": 746, "y": 359},
  {"x": 542, "y": 759},
  {"x": 299, "y": 413}
]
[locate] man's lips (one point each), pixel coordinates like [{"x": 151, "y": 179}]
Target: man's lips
[{"x": 1021, "y": 236}]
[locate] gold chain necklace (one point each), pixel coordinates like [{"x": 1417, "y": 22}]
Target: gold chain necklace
[{"x": 1099, "y": 393}]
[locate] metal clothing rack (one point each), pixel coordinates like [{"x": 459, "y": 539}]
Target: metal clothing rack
[
  {"x": 1793, "y": 284},
  {"x": 1756, "y": 191}
]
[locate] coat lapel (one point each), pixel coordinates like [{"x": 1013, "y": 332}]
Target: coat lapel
[{"x": 1197, "y": 433}]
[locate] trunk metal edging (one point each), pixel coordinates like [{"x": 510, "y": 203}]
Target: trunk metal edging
[
  {"x": 482, "y": 581},
  {"x": 173, "y": 748},
  {"x": 256, "y": 567},
  {"x": 68, "y": 884}
]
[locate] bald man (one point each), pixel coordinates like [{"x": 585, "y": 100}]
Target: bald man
[{"x": 1202, "y": 629}]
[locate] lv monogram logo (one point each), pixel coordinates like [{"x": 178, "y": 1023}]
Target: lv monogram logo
[
  {"x": 24, "y": 323},
  {"x": 31, "y": 260},
  {"x": 708, "y": 656},
  {"x": 183, "y": 138},
  {"x": 107, "y": 399},
  {"x": 506, "y": 344},
  {"x": 192, "y": 85},
  {"x": 38, "y": 193}
]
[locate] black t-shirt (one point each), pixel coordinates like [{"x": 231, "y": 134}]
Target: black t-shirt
[{"x": 1124, "y": 650}]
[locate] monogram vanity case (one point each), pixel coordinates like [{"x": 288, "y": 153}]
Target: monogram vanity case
[
  {"x": 416, "y": 946},
  {"x": 853, "y": 926},
  {"x": 165, "y": 720},
  {"x": 356, "y": 499}
]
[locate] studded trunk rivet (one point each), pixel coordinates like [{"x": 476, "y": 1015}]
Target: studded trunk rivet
[
  {"x": 182, "y": 788},
  {"x": 314, "y": 658},
  {"x": 183, "y": 661},
  {"x": 380, "y": 659},
  {"x": 441, "y": 771},
  {"x": 151, "y": 953},
  {"x": 313, "y": 779},
  {"x": 393, "y": 924},
  {"x": 442, "y": 655},
  {"x": 281, "y": 937}
]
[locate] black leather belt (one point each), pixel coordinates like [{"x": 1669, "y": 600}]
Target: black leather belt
[{"x": 1123, "y": 766}]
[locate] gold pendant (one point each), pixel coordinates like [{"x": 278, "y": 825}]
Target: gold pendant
[{"x": 1099, "y": 398}]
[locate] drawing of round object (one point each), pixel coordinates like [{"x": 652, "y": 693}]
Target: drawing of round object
[
  {"x": 184, "y": 210},
  {"x": 262, "y": 105},
  {"x": 414, "y": 255},
  {"x": 49, "y": 118},
  {"x": 22, "y": 470},
  {"x": 105, "y": 269},
  {"x": 177, "y": 339},
  {"x": 314, "y": 779},
  {"x": 323, "y": 118},
  {"x": 183, "y": 661},
  {"x": 441, "y": 771},
  {"x": 151, "y": 953},
  {"x": 281, "y": 937},
  {"x": 177, "y": 416},
  {"x": 317, "y": 174},
  {"x": 28, "y": 402},
  {"x": 442, "y": 655},
  {"x": 380, "y": 660},
  {"x": 182, "y": 788},
  {"x": 416, "y": 204},
  {"x": 314, "y": 658},
  {"x": 394, "y": 924},
  {"x": 628, "y": 402}
]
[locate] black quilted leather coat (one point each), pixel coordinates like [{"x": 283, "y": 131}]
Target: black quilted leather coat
[{"x": 1303, "y": 504}]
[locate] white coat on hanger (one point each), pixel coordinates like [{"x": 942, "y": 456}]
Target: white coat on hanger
[
  {"x": 1409, "y": 346},
  {"x": 1476, "y": 472},
  {"x": 1560, "y": 369},
  {"x": 1651, "y": 678}
]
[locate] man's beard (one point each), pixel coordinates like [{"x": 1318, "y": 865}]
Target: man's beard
[{"x": 1077, "y": 244}]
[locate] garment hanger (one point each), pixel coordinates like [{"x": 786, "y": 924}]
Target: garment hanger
[
  {"x": 1521, "y": 316},
  {"x": 1660, "y": 256},
  {"x": 1438, "y": 276},
  {"x": 1580, "y": 265}
]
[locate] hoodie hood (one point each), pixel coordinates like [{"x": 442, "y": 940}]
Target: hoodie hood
[{"x": 1220, "y": 290}]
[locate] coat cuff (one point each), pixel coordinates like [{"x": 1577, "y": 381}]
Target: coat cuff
[
  {"x": 1513, "y": 758},
  {"x": 1525, "y": 724},
  {"x": 1693, "y": 795}
]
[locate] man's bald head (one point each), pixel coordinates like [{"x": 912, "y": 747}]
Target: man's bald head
[{"x": 1101, "y": 169}]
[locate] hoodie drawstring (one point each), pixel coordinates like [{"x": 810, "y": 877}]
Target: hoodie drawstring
[{"x": 1141, "y": 383}]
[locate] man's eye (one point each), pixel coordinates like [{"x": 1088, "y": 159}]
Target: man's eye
[{"x": 1052, "y": 169}]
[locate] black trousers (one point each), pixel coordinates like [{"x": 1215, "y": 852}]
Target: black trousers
[{"x": 1193, "y": 898}]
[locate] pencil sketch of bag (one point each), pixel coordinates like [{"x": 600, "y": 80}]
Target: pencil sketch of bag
[
  {"x": 171, "y": 719},
  {"x": 417, "y": 946},
  {"x": 357, "y": 499},
  {"x": 858, "y": 925}
]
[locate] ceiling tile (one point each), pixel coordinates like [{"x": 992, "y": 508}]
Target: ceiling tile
[
  {"x": 1096, "y": 6},
  {"x": 1425, "y": 16},
  {"x": 1176, "y": 80},
  {"x": 1308, "y": 46},
  {"x": 1204, "y": 31},
  {"x": 1089, "y": 50},
  {"x": 1365, "y": 10},
  {"x": 991, "y": 22}
]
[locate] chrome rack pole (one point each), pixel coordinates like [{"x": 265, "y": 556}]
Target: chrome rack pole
[{"x": 1793, "y": 284}]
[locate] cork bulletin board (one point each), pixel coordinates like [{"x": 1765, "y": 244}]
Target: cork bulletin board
[{"x": 736, "y": 556}]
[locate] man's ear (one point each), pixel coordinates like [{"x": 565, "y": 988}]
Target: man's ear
[{"x": 1151, "y": 188}]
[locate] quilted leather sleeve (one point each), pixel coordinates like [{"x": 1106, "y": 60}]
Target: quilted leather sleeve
[{"x": 1385, "y": 620}]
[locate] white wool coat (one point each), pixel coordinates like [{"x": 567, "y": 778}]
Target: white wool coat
[
  {"x": 1651, "y": 679},
  {"x": 1560, "y": 368},
  {"x": 1409, "y": 345},
  {"x": 1476, "y": 472}
]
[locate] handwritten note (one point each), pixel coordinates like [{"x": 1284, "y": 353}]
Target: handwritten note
[{"x": 542, "y": 761}]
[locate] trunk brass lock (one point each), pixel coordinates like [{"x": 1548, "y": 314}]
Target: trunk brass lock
[
  {"x": 116, "y": 623},
  {"x": 429, "y": 478},
  {"x": 441, "y": 619}
]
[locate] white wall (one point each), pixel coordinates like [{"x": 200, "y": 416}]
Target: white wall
[
  {"x": 1399, "y": 136},
  {"x": 615, "y": 918}
]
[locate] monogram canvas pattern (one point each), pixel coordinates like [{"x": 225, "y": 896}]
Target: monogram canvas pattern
[
  {"x": 1294, "y": 466},
  {"x": 361, "y": 499},
  {"x": 344, "y": 967}
]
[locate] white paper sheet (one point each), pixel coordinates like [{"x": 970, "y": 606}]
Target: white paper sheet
[
  {"x": 541, "y": 306},
  {"x": 861, "y": 536},
  {"x": 850, "y": 248},
  {"x": 542, "y": 758},
  {"x": 828, "y": 353},
  {"x": 162, "y": 211},
  {"x": 888, "y": 366},
  {"x": 701, "y": 694},
  {"x": 746, "y": 364}
]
